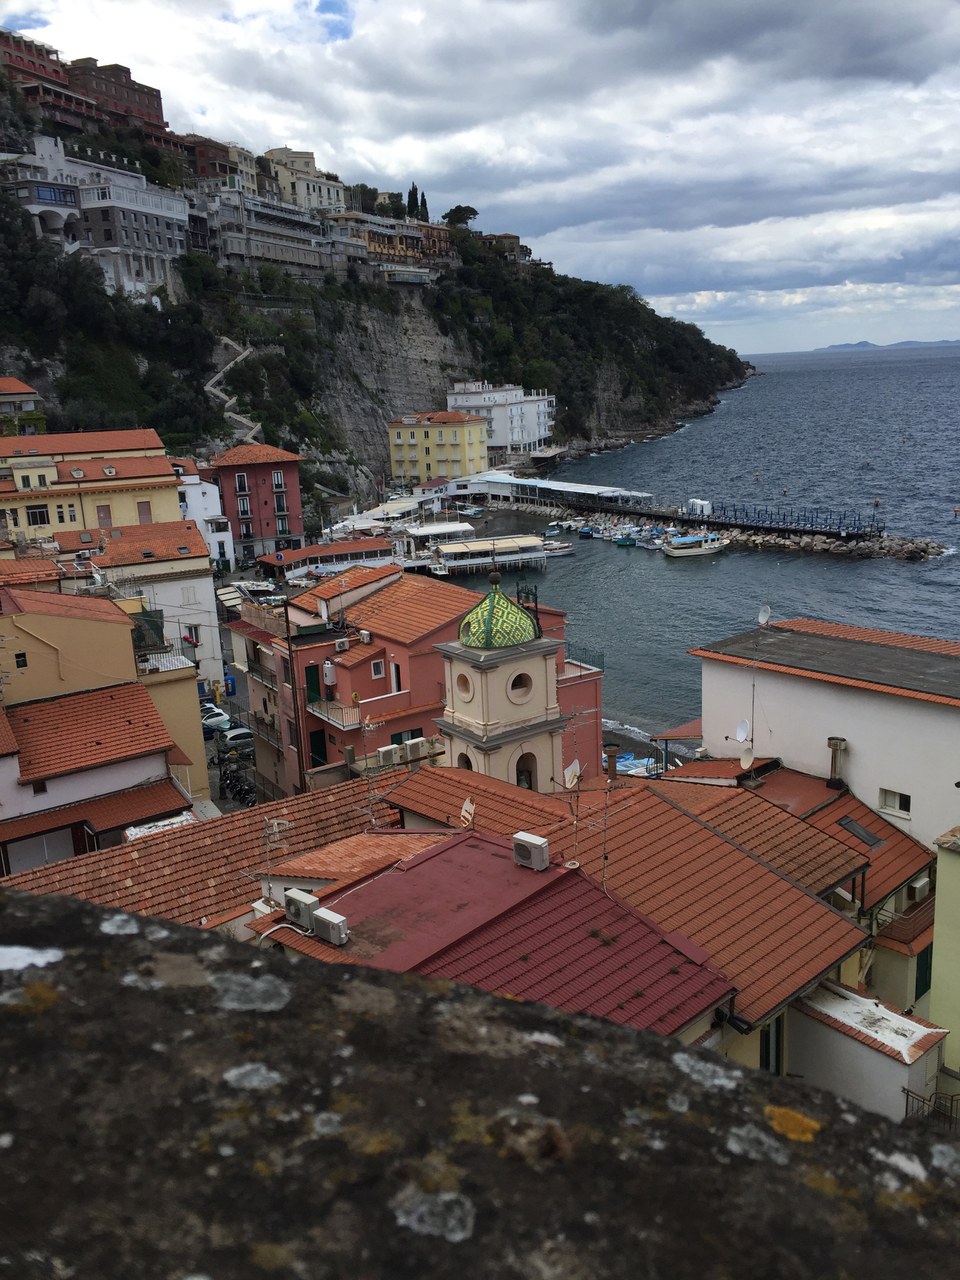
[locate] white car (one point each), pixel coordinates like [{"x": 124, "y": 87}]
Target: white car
[{"x": 214, "y": 720}]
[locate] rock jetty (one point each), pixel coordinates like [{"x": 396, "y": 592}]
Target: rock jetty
[{"x": 887, "y": 546}]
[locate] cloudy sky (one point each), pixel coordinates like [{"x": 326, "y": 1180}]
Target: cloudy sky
[{"x": 784, "y": 175}]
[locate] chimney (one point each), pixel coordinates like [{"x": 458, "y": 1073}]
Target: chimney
[
  {"x": 837, "y": 747},
  {"x": 610, "y": 750}
]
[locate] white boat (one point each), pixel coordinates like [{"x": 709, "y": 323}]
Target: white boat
[
  {"x": 553, "y": 549},
  {"x": 703, "y": 543}
]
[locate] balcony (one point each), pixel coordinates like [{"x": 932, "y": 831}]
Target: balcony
[
  {"x": 148, "y": 634},
  {"x": 910, "y": 924},
  {"x": 336, "y": 713},
  {"x": 583, "y": 657},
  {"x": 266, "y": 675}
]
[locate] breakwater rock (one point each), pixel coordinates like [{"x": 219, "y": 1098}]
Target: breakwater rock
[{"x": 888, "y": 546}]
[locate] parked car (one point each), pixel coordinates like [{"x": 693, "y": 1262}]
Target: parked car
[
  {"x": 213, "y": 721},
  {"x": 238, "y": 739}
]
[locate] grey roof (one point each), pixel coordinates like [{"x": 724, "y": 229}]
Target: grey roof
[{"x": 916, "y": 670}]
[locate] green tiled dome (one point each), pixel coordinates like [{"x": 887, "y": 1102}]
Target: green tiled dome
[{"x": 497, "y": 622}]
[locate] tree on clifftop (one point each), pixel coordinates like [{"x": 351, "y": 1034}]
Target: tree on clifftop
[{"x": 461, "y": 215}]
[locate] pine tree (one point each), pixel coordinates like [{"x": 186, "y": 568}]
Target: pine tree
[{"x": 424, "y": 212}]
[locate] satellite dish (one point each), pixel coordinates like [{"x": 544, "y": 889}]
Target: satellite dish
[
  {"x": 742, "y": 731},
  {"x": 571, "y": 775},
  {"x": 746, "y": 757},
  {"x": 467, "y": 810},
  {"x": 763, "y": 617}
]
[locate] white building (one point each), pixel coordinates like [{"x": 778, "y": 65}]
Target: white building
[
  {"x": 892, "y": 701},
  {"x": 518, "y": 421},
  {"x": 302, "y": 183},
  {"x": 200, "y": 502}
]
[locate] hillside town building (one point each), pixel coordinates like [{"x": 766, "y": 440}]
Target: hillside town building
[
  {"x": 439, "y": 445},
  {"x": 517, "y": 421},
  {"x": 260, "y": 494}
]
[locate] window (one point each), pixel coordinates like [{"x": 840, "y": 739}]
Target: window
[
  {"x": 38, "y": 515},
  {"x": 41, "y": 481},
  {"x": 405, "y": 736},
  {"x": 771, "y": 1046},
  {"x": 426, "y": 451},
  {"x": 25, "y": 482},
  {"x": 39, "y": 788},
  {"x": 104, "y": 517},
  {"x": 280, "y": 503},
  {"x": 897, "y": 802},
  {"x": 857, "y": 829},
  {"x": 61, "y": 518},
  {"x": 241, "y": 483},
  {"x": 378, "y": 669},
  {"x": 246, "y": 531},
  {"x": 285, "y": 669},
  {"x": 292, "y": 734},
  {"x": 924, "y": 972},
  {"x": 71, "y": 513},
  {"x": 144, "y": 513},
  {"x": 20, "y": 659},
  {"x": 192, "y": 633},
  {"x": 243, "y": 506},
  {"x": 278, "y": 480},
  {"x": 283, "y": 524},
  {"x": 399, "y": 437}
]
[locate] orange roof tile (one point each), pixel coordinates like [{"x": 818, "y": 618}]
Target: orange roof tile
[
  {"x": 125, "y": 544},
  {"x": 14, "y": 387},
  {"x": 908, "y": 1052},
  {"x": 353, "y": 858},
  {"x": 411, "y": 609},
  {"x": 89, "y": 444},
  {"x": 868, "y": 635},
  {"x": 103, "y": 813},
  {"x": 499, "y": 807},
  {"x": 438, "y": 417},
  {"x": 187, "y": 465},
  {"x": 348, "y": 580},
  {"x": 895, "y": 859},
  {"x": 52, "y": 603},
  {"x": 243, "y": 455},
  {"x": 86, "y": 730},
  {"x": 329, "y": 551},
  {"x": 690, "y": 729},
  {"x": 29, "y": 569},
  {"x": 205, "y": 868},
  {"x": 99, "y": 470},
  {"x": 8, "y": 743}
]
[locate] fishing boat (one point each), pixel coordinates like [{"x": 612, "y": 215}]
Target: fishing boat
[
  {"x": 586, "y": 532},
  {"x": 553, "y": 549},
  {"x": 703, "y": 543}
]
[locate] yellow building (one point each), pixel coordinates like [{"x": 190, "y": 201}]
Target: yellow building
[
  {"x": 426, "y": 446},
  {"x": 85, "y": 480}
]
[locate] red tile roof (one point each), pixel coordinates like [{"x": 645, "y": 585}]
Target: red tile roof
[
  {"x": 244, "y": 455},
  {"x": 907, "y": 1052},
  {"x": 104, "y": 813},
  {"x": 689, "y": 729},
  {"x": 251, "y": 632},
  {"x": 355, "y": 857},
  {"x": 88, "y": 444},
  {"x": 499, "y": 807},
  {"x": 896, "y": 859},
  {"x": 724, "y": 770},
  {"x": 125, "y": 544},
  {"x": 97, "y": 470},
  {"x": 412, "y": 609},
  {"x": 14, "y": 387},
  {"x": 867, "y": 635},
  {"x": 8, "y": 743},
  {"x": 29, "y": 569},
  {"x": 814, "y": 858},
  {"x": 187, "y": 465},
  {"x": 578, "y": 949},
  {"x": 340, "y": 583},
  {"x": 86, "y": 730},
  {"x": 438, "y": 418},
  {"x": 205, "y": 868},
  {"x": 53, "y": 603},
  {"x": 329, "y": 551}
]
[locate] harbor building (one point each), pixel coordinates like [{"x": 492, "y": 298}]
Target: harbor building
[
  {"x": 428, "y": 446},
  {"x": 517, "y": 421}
]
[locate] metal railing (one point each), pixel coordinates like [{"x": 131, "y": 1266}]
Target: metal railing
[
  {"x": 941, "y": 1109},
  {"x": 344, "y": 717},
  {"x": 582, "y": 655},
  {"x": 266, "y": 675}
]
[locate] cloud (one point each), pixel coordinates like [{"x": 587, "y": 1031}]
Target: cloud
[{"x": 718, "y": 153}]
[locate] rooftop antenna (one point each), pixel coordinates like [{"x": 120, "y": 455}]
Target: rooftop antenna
[
  {"x": 763, "y": 617},
  {"x": 275, "y": 833}
]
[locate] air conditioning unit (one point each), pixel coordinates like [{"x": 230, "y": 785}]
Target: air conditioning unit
[
  {"x": 341, "y": 645},
  {"x": 531, "y": 851},
  {"x": 415, "y": 749},
  {"x": 299, "y": 905},
  {"x": 918, "y": 889},
  {"x": 366, "y": 637},
  {"x": 82, "y": 555},
  {"x": 388, "y": 756},
  {"x": 330, "y": 927}
]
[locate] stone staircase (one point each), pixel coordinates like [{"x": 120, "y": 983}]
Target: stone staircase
[{"x": 253, "y": 432}]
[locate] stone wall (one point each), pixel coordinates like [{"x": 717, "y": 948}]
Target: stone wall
[{"x": 178, "y": 1106}]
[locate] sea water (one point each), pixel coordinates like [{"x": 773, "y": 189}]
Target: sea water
[{"x": 835, "y": 429}]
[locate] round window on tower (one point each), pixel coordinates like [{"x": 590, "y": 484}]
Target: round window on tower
[
  {"x": 520, "y": 687},
  {"x": 464, "y": 687}
]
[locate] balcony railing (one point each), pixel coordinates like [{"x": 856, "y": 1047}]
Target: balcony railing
[
  {"x": 941, "y": 1109},
  {"x": 266, "y": 675},
  {"x": 582, "y": 656},
  {"x": 344, "y": 717},
  {"x": 909, "y": 925}
]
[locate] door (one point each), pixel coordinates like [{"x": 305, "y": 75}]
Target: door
[
  {"x": 144, "y": 513},
  {"x": 104, "y": 518},
  {"x": 318, "y": 748},
  {"x": 395, "y": 680},
  {"x": 313, "y": 684}
]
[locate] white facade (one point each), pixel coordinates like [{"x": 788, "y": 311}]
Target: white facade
[
  {"x": 896, "y": 747},
  {"x": 200, "y": 502},
  {"x": 518, "y": 421},
  {"x": 302, "y": 183}
]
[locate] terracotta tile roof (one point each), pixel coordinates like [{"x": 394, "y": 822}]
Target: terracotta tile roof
[
  {"x": 330, "y": 551},
  {"x": 29, "y": 569},
  {"x": 348, "y": 580},
  {"x": 724, "y": 770},
  {"x": 894, "y": 860},
  {"x": 14, "y": 387},
  {"x": 187, "y": 465},
  {"x": 769, "y": 936},
  {"x": 577, "y": 949},
  {"x": 87, "y": 444},
  {"x": 204, "y": 868},
  {"x": 346, "y": 861},
  {"x": 86, "y": 730},
  {"x": 689, "y": 729},
  {"x": 412, "y": 609},
  {"x": 97, "y": 470},
  {"x": 439, "y": 418},
  {"x": 499, "y": 807},
  {"x": 811, "y": 857},
  {"x": 251, "y": 632},
  {"x": 53, "y": 603},
  {"x": 244, "y": 455},
  {"x": 126, "y": 544},
  {"x": 918, "y": 667},
  {"x": 861, "y": 1015},
  {"x": 104, "y": 813},
  {"x": 8, "y": 743}
]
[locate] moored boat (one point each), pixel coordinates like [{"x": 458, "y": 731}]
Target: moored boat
[{"x": 704, "y": 542}]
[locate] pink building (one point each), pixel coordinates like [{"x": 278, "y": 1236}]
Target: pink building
[
  {"x": 260, "y": 491},
  {"x": 361, "y": 671}
]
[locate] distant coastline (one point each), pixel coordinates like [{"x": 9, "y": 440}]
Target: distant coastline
[{"x": 890, "y": 346}]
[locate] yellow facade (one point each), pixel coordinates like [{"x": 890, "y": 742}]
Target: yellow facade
[
  {"x": 427, "y": 446},
  {"x": 41, "y": 506},
  {"x": 48, "y": 655},
  {"x": 174, "y": 694}
]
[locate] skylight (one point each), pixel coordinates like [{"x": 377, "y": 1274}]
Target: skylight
[{"x": 857, "y": 829}]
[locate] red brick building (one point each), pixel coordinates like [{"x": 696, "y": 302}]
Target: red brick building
[
  {"x": 113, "y": 88},
  {"x": 260, "y": 491}
]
